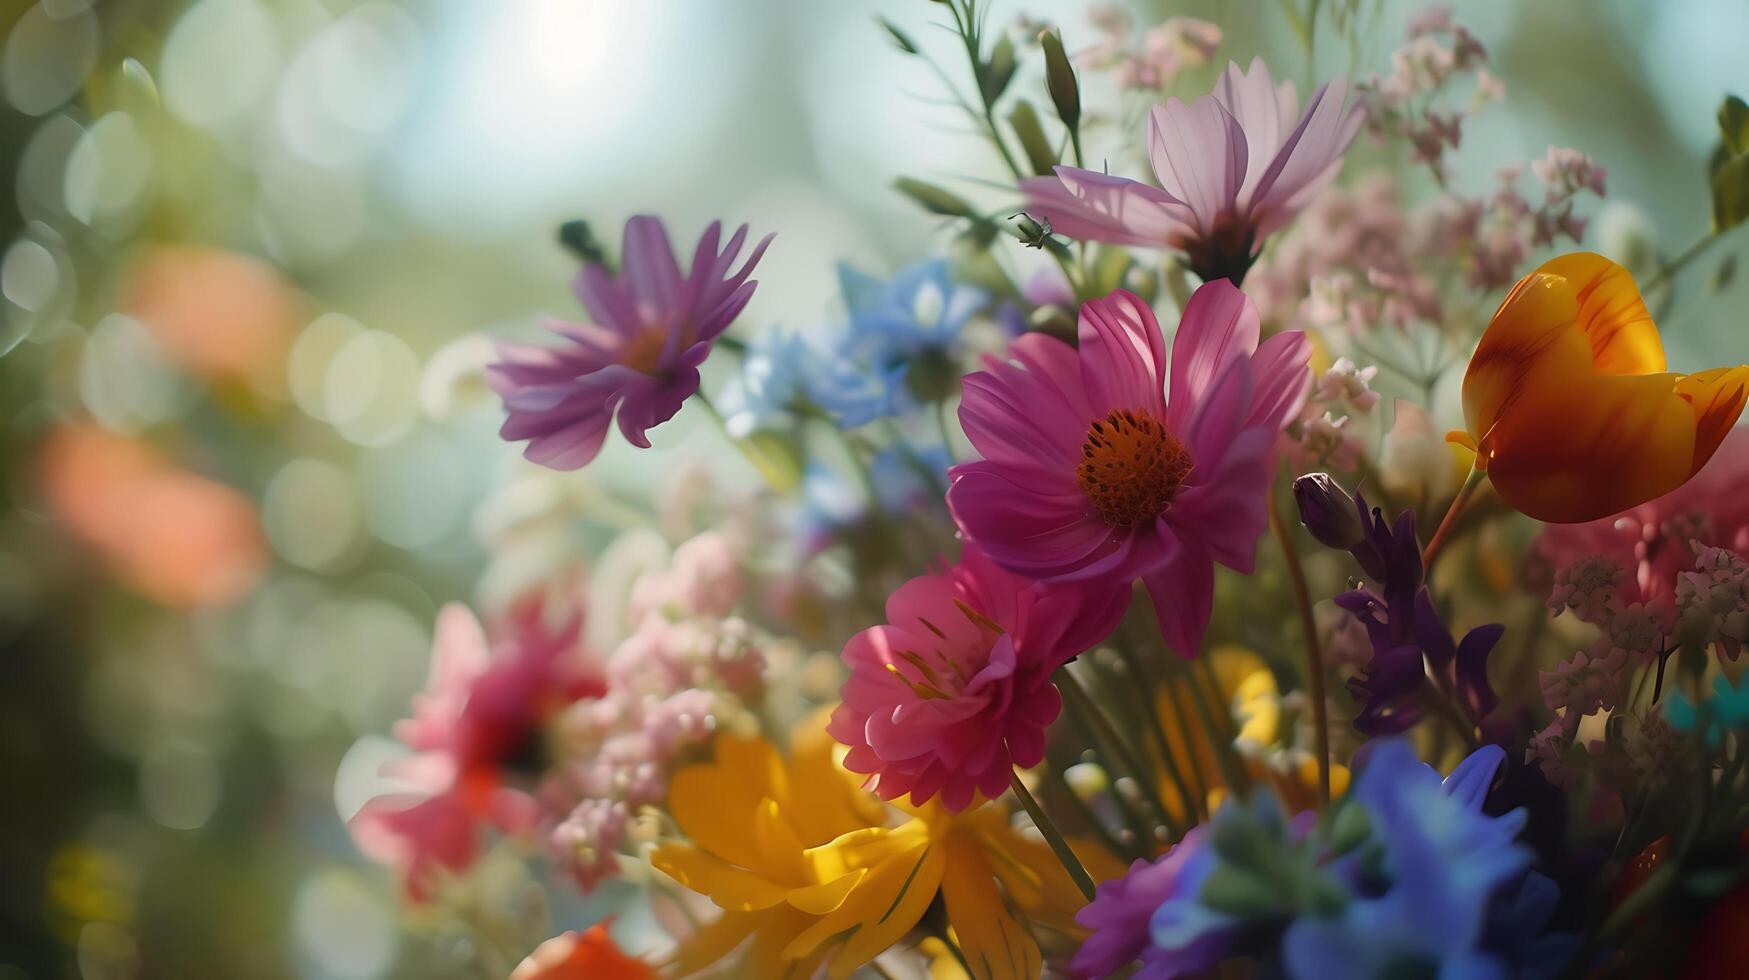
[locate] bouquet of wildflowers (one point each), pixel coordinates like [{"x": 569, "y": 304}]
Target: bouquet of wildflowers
[{"x": 1250, "y": 552}]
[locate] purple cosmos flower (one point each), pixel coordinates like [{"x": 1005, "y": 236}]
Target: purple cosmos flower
[
  {"x": 653, "y": 326},
  {"x": 1233, "y": 165}
]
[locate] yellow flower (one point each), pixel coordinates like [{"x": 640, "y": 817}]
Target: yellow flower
[
  {"x": 1568, "y": 404},
  {"x": 1264, "y": 742},
  {"x": 803, "y": 865}
]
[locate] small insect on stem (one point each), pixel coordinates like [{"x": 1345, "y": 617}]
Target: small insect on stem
[{"x": 1034, "y": 233}]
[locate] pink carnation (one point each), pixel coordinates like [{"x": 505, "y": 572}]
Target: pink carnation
[
  {"x": 955, "y": 691},
  {"x": 1093, "y": 476},
  {"x": 653, "y": 327}
]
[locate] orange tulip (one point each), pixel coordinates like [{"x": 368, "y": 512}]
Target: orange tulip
[{"x": 1568, "y": 405}]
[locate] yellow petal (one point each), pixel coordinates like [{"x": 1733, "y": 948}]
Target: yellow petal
[
  {"x": 713, "y": 943},
  {"x": 996, "y": 944},
  {"x": 827, "y": 799},
  {"x": 885, "y": 906},
  {"x": 732, "y": 888},
  {"x": 826, "y": 896},
  {"x": 715, "y": 802}
]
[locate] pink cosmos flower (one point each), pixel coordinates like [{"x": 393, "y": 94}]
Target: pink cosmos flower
[
  {"x": 1092, "y": 475},
  {"x": 479, "y": 719},
  {"x": 955, "y": 691},
  {"x": 653, "y": 327},
  {"x": 1655, "y": 539},
  {"x": 1231, "y": 171}
]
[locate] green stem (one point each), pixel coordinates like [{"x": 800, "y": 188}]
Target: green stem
[
  {"x": 1314, "y": 654},
  {"x": 1053, "y": 837},
  {"x": 1233, "y": 774},
  {"x": 1157, "y": 725},
  {"x": 1676, "y": 265},
  {"x": 1072, "y": 690}
]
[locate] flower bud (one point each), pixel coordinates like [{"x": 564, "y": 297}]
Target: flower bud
[
  {"x": 1060, "y": 79},
  {"x": 1328, "y": 511}
]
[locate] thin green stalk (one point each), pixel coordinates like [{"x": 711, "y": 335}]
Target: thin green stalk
[
  {"x": 1314, "y": 654},
  {"x": 1226, "y": 757},
  {"x": 1138, "y": 827},
  {"x": 1073, "y": 692},
  {"x": 1200, "y": 779},
  {"x": 1676, "y": 265},
  {"x": 1053, "y": 837},
  {"x": 1157, "y": 725}
]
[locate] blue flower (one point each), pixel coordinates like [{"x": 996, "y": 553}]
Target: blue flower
[
  {"x": 1444, "y": 863},
  {"x": 784, "y": 375},
  {"x": 906, "y": 332}
]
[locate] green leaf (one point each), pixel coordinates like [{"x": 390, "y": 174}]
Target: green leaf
[
  {"x": 1039, "y": 153},
  {"x": 1110, "y": 265},
  {"x": 934, "y": 199},
  {"x": 1242, "y": 894},
  {"x": 900, "y": 38}
]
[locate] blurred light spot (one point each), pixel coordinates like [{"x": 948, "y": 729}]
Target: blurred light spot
[
  {"x": 46, "y": 57},
  {"x": 347, "y": 85},
  {"x": 527, "y": 96},
  {"x": 269, "y": 626},
  {"x": 219, "y": 61},
  {"x": 311, "y": 513},
  {"x": 314, "y": 350},
  {"x": 455, "y": 376},
  {"x": 359, "y": 777},
  {"x": 42, "y": 168},
  {"x": 179, "y": 784},
  {"x": 371, "y": 390},
  {"x": 125, "y": 379},
  {"x": 106, "y": 952},
  {"x": 139, "y": 83},
  {"x": 30, "y": 276},
  {"x": 417, "y": 491},
  {"x": 308, "y": 214},
  {"x": 107, "y": 169},
  {"x": 40, "y": 286},
  {"x": 343, "y": 929}
]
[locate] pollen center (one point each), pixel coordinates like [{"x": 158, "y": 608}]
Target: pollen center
[{"x": 1131, "y": 467}]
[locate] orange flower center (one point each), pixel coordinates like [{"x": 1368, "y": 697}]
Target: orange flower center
[
  {"x": 1131, "y": 467},
  {"x": 644, "y": 351}
]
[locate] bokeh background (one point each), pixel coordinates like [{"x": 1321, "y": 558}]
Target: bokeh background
[{"x": 250, "y": 251}]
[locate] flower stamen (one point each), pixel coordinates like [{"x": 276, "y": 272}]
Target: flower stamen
[{"x": 1131, "y": 467}]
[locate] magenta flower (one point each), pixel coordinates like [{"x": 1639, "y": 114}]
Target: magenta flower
[
  {"x": 1092, "y": 475},
  {"x": 652, "y": 328},
  {"x": 477, "y": 725},
  {"x": 1231, "y": 169},
  {"x": 955, "y": 691}
]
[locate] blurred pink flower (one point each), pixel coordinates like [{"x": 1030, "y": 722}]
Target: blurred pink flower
[
  {"x": 955, "y": 691},
  {"x": 1091, "y": 475},
  {"x": 1654, "y": 539},
  {"x": 1232, "y": 169},
  {"x": 652, "y": 328},
  {"x": 476, "y": 726}
]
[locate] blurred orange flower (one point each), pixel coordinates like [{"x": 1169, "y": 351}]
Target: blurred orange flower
[
  {"x": 172, "y": 535},
  {"x": 1569, "y": 407},
  {"x": 221, "y": 315},
  {"x": 588, "y": 955}
]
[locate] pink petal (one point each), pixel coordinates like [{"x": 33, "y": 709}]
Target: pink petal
[
  {"x": 1184, "y": 596},
  {"x": 1308, "y": 159},
  {"x": 1217, "y": 420},
  {"x": 1123, "y": 355},
  {"x": 1029, "y": 532},
  {"x": 1253, "y": 100},
  {"x": 1281, "y": 380},
  {"x": 1091, "y": 206},
  {"x": 1219, "y": 325},
  {"x": 1199, "y": 154},
  {"x": 1228, "y": 511}
]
